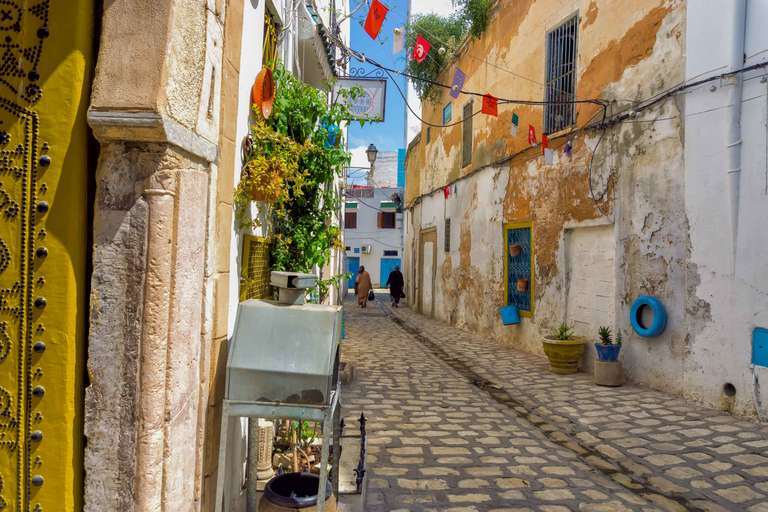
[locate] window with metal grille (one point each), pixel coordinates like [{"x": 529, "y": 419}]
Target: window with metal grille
[
  {"x": 447, "y": 234},
  {"x": 347, "y": 248},
  {"x": 559, "y": 113},
  {"x": 269, "y": 54},
  {"x": 255, "y": 274},
  {"x": 350, "y": 220},
  {"x": 518, "y": 267},
  {"x": 429, "y": 131},
  {"x": 386, "y": 220},
  {"x": 390, "y": 253},
  {"x": 466, "y": 135},
  {"x": 447, "y": 113}
]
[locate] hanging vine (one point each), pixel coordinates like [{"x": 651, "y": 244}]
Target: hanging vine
[{"x": 296, "y": 156}]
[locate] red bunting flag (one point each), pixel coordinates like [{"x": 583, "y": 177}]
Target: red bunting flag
[
  {"x": 421, "y": 49},
  {"x": 447, "y": 192},
  {"x": 490, "y": 106},
  {"x": 544, "y": 145},
  {"x": 375, "y": 19},
  {"x": 531, "y": 135}
]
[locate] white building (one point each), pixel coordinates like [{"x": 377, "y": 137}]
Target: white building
[{"x": 373, "y": 232}]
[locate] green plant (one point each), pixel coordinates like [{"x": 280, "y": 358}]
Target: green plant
[
  {"x": 605, "y": 336},
  {"x": 563, "y": 332},
  {"x": 471, "y": 19},
  {"x": 303, "y": 141},
  {"x": 619, "y": 337}
]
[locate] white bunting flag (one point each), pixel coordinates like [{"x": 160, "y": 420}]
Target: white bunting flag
[
  {"x": 398, "y": 42},
  {"x": 549, "y": 156}
]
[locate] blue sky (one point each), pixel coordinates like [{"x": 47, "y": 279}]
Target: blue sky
[{"x": 390, "y": 134}]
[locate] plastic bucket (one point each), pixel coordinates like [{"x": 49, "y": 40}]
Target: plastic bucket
[{"x": 509, "y": 315}]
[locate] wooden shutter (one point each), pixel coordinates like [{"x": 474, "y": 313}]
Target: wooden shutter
[
  {"x": 380, "y": 220},
  {"x": 350, "y": 220}
]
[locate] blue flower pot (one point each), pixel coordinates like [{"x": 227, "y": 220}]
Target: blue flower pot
[{"x": 607, "y": 352}]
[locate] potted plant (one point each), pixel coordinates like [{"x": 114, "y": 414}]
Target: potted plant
[
  {"x": 608, "y": 370},
  {"x": 607, "y": 350},
  {"x": 563, "y": 350},
  {"x": 514, "y": 250}
]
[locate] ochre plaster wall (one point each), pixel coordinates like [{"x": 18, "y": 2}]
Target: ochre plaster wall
[{"x": 627, "y": 52}]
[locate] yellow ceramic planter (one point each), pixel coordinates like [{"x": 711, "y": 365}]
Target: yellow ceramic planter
[{"x": 564, "y": 355}]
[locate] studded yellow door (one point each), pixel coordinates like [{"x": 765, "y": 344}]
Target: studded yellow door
[{"x": 44, "y": 90}]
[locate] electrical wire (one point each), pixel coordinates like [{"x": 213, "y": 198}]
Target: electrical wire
[{"x": 592, "y": 159}]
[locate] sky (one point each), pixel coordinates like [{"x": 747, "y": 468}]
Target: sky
[{"x": 389, "y": 135}]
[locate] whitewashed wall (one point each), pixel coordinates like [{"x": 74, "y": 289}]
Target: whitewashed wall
[{"x": 735, "y": 290}]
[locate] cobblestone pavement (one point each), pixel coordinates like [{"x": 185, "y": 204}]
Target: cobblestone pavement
[{"x": 458, "y": 423}]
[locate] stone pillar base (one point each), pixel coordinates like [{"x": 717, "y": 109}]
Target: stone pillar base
[{"x": 608, "y": 373}]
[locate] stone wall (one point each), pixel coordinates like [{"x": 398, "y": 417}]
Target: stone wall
[{"x": 154, "y": 250}]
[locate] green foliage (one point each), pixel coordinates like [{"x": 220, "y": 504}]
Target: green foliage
[
  {"x": 306, "y": 433},
  {"x": 619, "y": 337},
  {"x": 476, "y": 15},
  {"x": 301, "y": 141},
  {"x": 563, "y": 332},
  {"x": 605, "y": 336},
  {"x": 434, "y": 28},
  {"x": 447, "y": 32}
]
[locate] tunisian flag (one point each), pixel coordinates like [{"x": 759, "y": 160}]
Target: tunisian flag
[
  {"x": 375, "y": 19},
  {"x": 421, "y": 49}
]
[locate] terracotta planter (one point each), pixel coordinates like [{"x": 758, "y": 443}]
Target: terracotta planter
[
  {"x": 522, "y": 285},
  {"x": 564, "y": 355},
  {"x": 259, "y": 189},
  {"x": 515, "y": 250}
]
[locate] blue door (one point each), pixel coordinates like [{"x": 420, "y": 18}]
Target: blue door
[
  {"x": 354, "y": 267},
  {"x": 387, "y": 266}
]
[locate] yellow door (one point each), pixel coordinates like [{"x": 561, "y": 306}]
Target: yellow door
[{"x": 44, "y": 90}]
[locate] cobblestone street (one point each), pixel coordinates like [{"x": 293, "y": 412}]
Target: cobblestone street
[{"x": 458, "y": 423}]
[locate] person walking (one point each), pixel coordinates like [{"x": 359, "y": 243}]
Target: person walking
[
  {"x": 395, "y": 283},
  {"x": 363, "y": 286}
]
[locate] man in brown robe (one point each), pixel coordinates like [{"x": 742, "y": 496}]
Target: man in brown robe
[{"x": 363, "y": 285}]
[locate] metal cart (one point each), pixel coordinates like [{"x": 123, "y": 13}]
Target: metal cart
[{"x": 283, "y": 362}]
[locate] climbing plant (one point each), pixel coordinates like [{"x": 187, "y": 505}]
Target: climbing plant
[
  {"x": 296, "y": 156},
  {"x": 443, "y": 32}
]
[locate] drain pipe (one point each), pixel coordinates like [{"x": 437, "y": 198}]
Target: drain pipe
[{"x": 733, "y": 117}]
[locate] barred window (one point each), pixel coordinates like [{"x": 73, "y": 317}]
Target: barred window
[
  {"x": 466, "y": 135},
  {"x": 559, "y": 113},
  {"x": 390, "y": 253},
  {"x": 447, "y": 234}
]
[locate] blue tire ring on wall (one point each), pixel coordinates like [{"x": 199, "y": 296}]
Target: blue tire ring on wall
[{"x": 659, "y": 316}]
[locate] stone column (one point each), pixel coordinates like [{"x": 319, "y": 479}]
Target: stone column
[{"x": 261, "y": 436}]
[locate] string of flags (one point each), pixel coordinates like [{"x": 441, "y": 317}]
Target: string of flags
[{"x": 373, "y": 22}]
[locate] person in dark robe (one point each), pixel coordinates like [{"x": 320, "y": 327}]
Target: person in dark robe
[{"x": 395, "y": 283}]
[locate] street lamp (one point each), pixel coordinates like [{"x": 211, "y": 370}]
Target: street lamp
[{"x": 371, "y": 153}]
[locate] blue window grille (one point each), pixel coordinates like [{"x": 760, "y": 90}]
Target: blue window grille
[
  {"x": 357, "y": 250},
  {"x": 447, "y": 113},
  {"x": 519, "y": 267}
]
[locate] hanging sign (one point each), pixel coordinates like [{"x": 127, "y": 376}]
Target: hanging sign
[
  {"x": 368, "y": 105},
  {"x": 375, "y": 19}
]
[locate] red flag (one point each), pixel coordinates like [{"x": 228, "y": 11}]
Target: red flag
[
  {"x": 490, "y": 106},
  {"x": 531, "y": 135},
  {"x": 447, "y": 192},
  {"x": 421, "y": 49},
  {"x": 375, "y": 19},
  {"x": 544, "y": 145}
]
